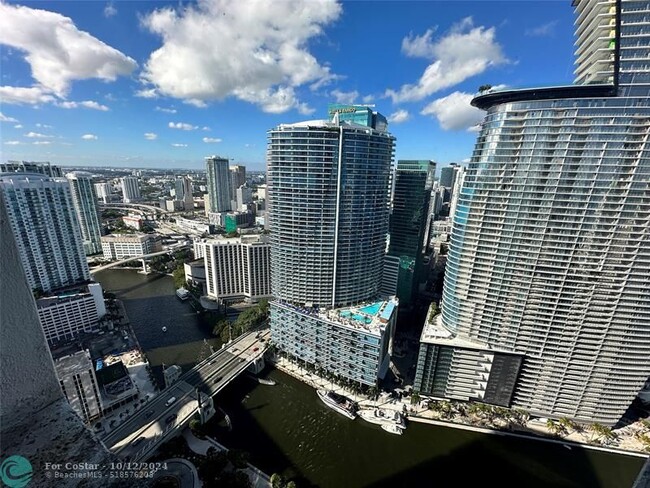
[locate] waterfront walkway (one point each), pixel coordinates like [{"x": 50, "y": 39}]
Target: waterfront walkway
[
  {"x": 257, "y": 478},
  {"x": 421, "y": 413}
]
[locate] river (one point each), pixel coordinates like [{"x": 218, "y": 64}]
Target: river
[{"x": 287, "y": 429}]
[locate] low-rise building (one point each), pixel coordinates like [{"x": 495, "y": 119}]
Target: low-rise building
[
  {"x": 121, "y": 246},
  {"x": 66, "y": 315},
  {"x": 77, "y": 379},
  {"x": 354, "y": 342},
  {"x": 195, "y": 273},
  {"x": 195, "y": 226},
  {"x": 133, "y": 221}
]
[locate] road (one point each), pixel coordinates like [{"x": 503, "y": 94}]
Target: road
[
  {"x": 154, "y": 419},
  {"x": 135, "y": 258}
]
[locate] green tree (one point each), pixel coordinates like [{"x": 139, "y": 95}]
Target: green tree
[
  {"x": 238, "y": 458},
  {"x": 291, "y": 484},
  {"x": 179, "y": 276},
  {"x": 277, "y": 481}
]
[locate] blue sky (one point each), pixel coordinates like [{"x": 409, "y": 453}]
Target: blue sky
[{"x": 163, "y": 84}]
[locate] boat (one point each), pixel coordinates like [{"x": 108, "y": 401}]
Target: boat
[
  {"x": 183, "y": 294},
  {"x": 393, "y": 428},
  {"x": 164, "y": 329},
  {"x": 382, "y": 416},
  {"x": 338, "y": 403}
]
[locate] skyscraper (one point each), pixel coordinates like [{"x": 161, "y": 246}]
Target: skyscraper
[
  {"x": 408, "y": 221},
  {"x": 46, "y": 229},
  {"x": 219, "y": 186},
  {"x": 237, "y": 178},
  {"x": 328, "y": 211},
  {"x": 546, "y": 301},
  {"x": 183, "y": 192},
  {"x": 84, "y": 200},
  {"x": 130, "y": 189},
  {"x": 103, "y": 192}
]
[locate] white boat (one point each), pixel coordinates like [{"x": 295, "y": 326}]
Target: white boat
[
  {"x": 338, "y": 403},
  {"x": 183, "y": 294},
  {"x": 392, "y": 428},
  {"x": 382, "y": 416},
  {"x": 164, "y": 329}
]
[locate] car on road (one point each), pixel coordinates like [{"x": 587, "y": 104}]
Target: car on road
[
  {"x": 170, "y": 419},
  {"x": 255, "y": 349},
  {"x": 148, "y": 413},
  {"x": 217, "y": 379},
  {"x": 170, "y": 401},
  {"x": 262, "y": 339},
  {"x": 137, "y": 441},
  {"x": 213, "y": 361}
]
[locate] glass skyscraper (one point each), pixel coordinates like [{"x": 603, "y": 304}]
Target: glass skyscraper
[
  {"x": 408, "y": 221},
  {"x": 84, "y": 200},
  {"x": 328, "y": 189},
  {"x": 546, "y": 301},
  {"x": 218, "y": 176}
]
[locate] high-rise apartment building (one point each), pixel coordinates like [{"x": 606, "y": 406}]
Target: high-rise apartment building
[
  {"x": 219, "y": 185},
  {"x": 408, "y": 221},
  {"x": 121, "y": 246},
  {"x": 76, "y": 374},
  {"x": 47, "y": 169},
  {"x": 130, "y": 189},
  {"x": 244, "y": 196},
  {"x": 237, "y": 178},
  {"x": 183, "y": 192},
  {"x": 84, "y": 200},
  {"x": 236, "y": 268},
  {"x": 328, "y": 212},
  {"x": 103, "y": 192},
  {"x": 546, "y": 301},
  {"x": 46, "y": 229}
]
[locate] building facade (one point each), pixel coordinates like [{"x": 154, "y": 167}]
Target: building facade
[
  {"x": 219, "y": 186},
  {"x": 104, "y": 192},
  {"x": 550, "y": 249},
  {"x": 84, "y": 200},
  {"x": 130, "y": 245},
  {"x": 130, "y": 189},
  {"x": 237, "y": 179},
  {"x": 64, "y": 316},
  {"x": 77, "y": 379},
  {"x": 328, "y": 198},
  {"x": 236, "y": 269},
  {"x": 408, "y": 221},
  {"x": 46, "y": 229},
  {"x": 183, "y": 192},
  {"x": 46, "y": 169}
]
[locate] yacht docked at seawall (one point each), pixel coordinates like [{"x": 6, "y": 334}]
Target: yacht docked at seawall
[
  {"x": 338, "y": 403},
  {"x": 382, "y": 416}
]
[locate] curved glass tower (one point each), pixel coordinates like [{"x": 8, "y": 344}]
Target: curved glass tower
[
  {"x": 546, "y": 303},
  {"x": 328, "y": 194}
]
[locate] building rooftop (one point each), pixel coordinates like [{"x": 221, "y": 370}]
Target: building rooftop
[
  {"x": 492, "y": 97},
  {"x": 370, "y": 316}
]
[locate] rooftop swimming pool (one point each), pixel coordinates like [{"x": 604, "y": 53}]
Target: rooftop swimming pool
[
  {"x": 355, "y": 316},
  {"x": 372, "y": 309}
]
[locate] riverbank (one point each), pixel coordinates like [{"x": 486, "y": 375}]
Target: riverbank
[{"x": 420, "y": 413}]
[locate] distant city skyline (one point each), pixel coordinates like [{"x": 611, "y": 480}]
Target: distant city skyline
[{"x": 142, "y": 103}]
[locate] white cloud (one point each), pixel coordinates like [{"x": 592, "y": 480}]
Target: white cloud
[
  {"x": 211, "y": 139},
  {"x": 37, "y": 135},
  {"x": 147, "y": 93},
  {"x": 179, "y": 145},
  {"x": 17, "y": 95},
  {"x": 206, "y": 128},
  {"x": 454, "y": 111},
  {"x": 43, "y": 126},
  {"x": 544, "y": 30},
  {"x": 42, "y": 143},
  {"x": 57, "y": 52},
  {"x": 399, "y": 116},
  {"x": 85, "y": 104},
  {"x": 5, "y": 118},
  {"x": 89, "y": 137},
  {"x": 463, "y": 52},
  {"x": 344, "y": 97},
  {"x": 419, "y": 46},
  {"x": 110, "y": 10},
  {"x": 182, "y": 126},
  {"x": 261, "y": 55},
  {"x": 368, "y": 98},
  {"x": 18, "y": 126},
  {"x": 13, "y": 143},
  {"x": 150, "y": 136},
  {"x": 166, "y": 110}
]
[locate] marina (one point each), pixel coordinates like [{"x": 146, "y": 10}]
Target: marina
[{"x": 338, "y": 403}]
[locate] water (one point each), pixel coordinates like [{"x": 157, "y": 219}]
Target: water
[
  {"x": 287, "y": 429},
  {"x": 151, "y": 304}
]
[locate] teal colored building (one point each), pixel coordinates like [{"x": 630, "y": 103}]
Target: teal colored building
[{"x": 408, "y": 221}]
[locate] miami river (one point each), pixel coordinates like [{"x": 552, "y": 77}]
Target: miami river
[{"x": 287, "y": 429}]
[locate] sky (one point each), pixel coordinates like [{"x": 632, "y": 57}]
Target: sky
[{"x": 164, "y": 84}]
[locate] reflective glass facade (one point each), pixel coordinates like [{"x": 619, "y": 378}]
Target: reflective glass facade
[{"x": 550, "y": 248}]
